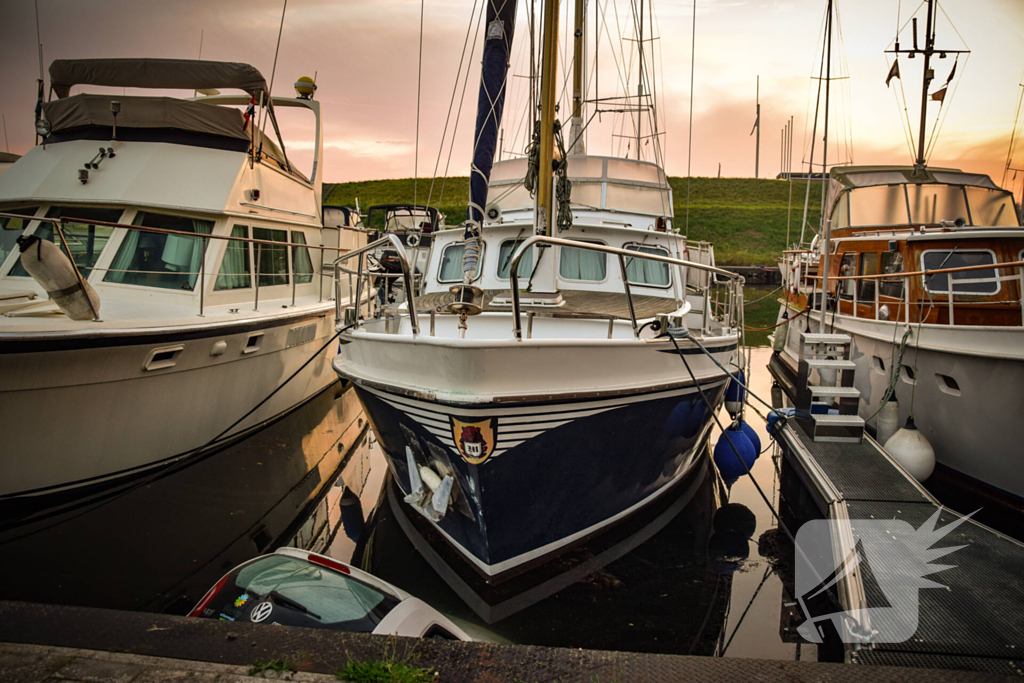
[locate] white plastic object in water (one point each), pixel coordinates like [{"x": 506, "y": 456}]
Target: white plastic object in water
[
  {"x": 55, "y": 273},
  {"x": 888, "y": 421},
  {"x": 911, "y": 450}
]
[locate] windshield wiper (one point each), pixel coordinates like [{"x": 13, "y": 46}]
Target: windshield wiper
[{"x": 277, "y": 597}]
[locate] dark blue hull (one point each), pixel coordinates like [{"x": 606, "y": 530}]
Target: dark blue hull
[{"x": 532, "y": 479}]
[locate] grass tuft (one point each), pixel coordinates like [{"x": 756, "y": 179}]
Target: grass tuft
[
  {"x": 385, "y": 672},
  {"x": 278, "y": 665}
]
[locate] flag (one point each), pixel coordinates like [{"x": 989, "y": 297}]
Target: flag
[
  {"x": 249, "y": 111},
  {"x": 894, "y": 72},
  {"x": 953, "y": 70},
  {"x": 940, "y": 94},
  {"x": 757, "y": 121}
]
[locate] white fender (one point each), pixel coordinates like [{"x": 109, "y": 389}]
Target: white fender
[{"x": 55, "y": 273}]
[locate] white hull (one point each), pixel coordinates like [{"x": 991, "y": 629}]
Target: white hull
[
  {"x": 82, "y": 416},
  {"x": 974, "y": 423}
]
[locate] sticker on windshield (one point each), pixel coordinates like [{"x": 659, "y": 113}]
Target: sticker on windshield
[
  {"x": 261, "y": 611},
  {"x": 241, "y": 599}
]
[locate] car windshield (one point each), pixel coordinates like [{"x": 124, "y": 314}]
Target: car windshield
[{"x": 300, "y": 593}]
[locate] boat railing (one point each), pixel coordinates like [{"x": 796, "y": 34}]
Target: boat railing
[
  {"x": 880, "y": 302},
  {"x": 732, "y": 282},
  {"x": 365, "y": 278},
  {"x": 201, "y": 274}
]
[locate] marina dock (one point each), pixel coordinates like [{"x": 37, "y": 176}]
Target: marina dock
[{"x": 976, "y": 622}]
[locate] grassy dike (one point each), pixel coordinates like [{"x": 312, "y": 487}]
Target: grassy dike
[{"x": 743, "y": 217}]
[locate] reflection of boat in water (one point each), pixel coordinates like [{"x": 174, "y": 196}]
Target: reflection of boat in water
[
  {"x": 647, "y": 584},
  {"x": 204, "y": 247},
  {"x": 158, "y": 546},
  {"x": 528, "y": 437}
]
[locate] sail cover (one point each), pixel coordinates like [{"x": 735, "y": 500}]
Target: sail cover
[{"x": 501, "y": 23}]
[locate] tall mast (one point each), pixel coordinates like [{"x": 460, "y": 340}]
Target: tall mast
[
  {"x": 824, "y": 141},
  {"x": 576, "y": 130},
  {"x": 640, "y": 82},
  {"x": 929, "y": 48},
  {"x": 548, "y": 78}
]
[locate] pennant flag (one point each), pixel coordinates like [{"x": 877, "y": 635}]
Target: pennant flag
[
  {"x": 953, "y": 70},
  {"x": 757, "y": 121},
  {"x": 249, "y": 112},
  {"x": 940, "y": 94},
  {"x": 894, "y": 72}
]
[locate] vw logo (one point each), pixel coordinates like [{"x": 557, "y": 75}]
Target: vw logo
[{"x": 261, "y": 611}]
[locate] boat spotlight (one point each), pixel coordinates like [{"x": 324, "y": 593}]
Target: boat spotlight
[{"x": 42, "y": 127}]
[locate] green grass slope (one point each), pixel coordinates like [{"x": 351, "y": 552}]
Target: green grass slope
[{"x": 743, "y": 217}]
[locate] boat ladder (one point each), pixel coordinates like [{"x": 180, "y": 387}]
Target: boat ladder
[{"x": 831, "y": 402}]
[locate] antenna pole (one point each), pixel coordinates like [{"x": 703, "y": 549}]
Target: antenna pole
[
  {"x": 39, "y": 43},
  {"x": 929, "y": 48},
  {"x": 419, "y": 83},
  {"x": 576, "y": 130},
  {"x": 789, "y": 170},
  {"x": 757, "y": 124},
  {"x": 6, "y": 143}
]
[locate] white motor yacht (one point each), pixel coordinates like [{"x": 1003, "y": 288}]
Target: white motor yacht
[{"x": 204, "y": 249}]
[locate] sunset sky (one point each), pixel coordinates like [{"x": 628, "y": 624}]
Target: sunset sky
[{"x": 364, "y": 53}]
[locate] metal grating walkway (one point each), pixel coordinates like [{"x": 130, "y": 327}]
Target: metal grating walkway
[{"x": 975, "y": 623}]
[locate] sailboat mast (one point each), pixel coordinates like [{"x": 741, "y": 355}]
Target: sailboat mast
[
  {"x": 929, "y": 48},
  {"x": 548, "y": 79},
  {"x": 576, "y": 130},
  {"x": 824, "y": 144},
  {"x": 640, "y": 81}
]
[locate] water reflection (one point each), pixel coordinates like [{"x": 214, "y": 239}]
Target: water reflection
[{"x": 701, "y": 571}]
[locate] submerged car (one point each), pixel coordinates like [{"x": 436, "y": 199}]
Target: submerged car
[{"x": 294, "y": 587}]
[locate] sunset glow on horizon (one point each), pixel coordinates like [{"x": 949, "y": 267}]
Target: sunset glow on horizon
[{"x": 365, "y": 57}]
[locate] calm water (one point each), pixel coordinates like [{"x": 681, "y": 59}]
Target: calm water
[{"x": 694, "y": 574}]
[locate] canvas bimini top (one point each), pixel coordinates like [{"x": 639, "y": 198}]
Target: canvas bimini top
[{"x": 183, "y": 74}]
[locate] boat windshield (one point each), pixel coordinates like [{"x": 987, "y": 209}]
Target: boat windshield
[
  {"x": 300, "y": 593},
  {"x": 923, "y": 204}
]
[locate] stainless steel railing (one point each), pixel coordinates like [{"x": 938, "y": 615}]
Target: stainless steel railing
[
  {"x": 362, "y": 274},
  {"x": 735, "y": 289}
]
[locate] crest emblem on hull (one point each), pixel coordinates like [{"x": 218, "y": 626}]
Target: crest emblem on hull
[{"x": 475, "y": 440}]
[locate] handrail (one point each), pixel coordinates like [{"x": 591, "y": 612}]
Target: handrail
[
  {"x": 406, "y": 275},
  {"x": 915, "y": 273},
  {"x": 165, "y": 231},
  {"x": 538, "y": 239}
]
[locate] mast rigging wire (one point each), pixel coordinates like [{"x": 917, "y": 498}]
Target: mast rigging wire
[
  {"x": 419, "y": 84},
  {"x": 689, "y": 137}
]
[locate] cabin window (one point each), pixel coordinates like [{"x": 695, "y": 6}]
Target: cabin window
[
  {"x": 505, "y": 253},
  {"x": 930, "y": 204},
  {"x": 451, "y": 263},
  {"x": 11, "y": 228},
  {"x": 847, "y": 268},
  {"x": 991, "y": 207},
  {"x": 157, "y": 259},
  {"x": 272, "y": 259},
  {"x": 301, "y": 263},
  {"x": 892, "y": 262},
  {"x": 640, "y": 271},
  {"x": 85, "y": 241},
  {"x": 235, "y": 269},
  {"x": 582, "y": 264},
  {"x": 938, "y": 259},
  {"x": 868, "y": 266},
  {"x": 879, "y": 205}
]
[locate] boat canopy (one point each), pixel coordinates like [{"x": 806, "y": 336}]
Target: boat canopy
[
  {"x": 184, "y": 74},
  {"x": 867, "y": 196},
  {"x": 88, "y": 110}
]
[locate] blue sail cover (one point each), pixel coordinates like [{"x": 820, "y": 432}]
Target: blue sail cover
[{"x": 501, "y": 23}]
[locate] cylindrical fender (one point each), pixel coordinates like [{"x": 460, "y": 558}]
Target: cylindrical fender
[{"x": 55, "y": 273}]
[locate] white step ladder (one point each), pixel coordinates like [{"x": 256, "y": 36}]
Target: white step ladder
[{"x": 826, "y": 359}]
